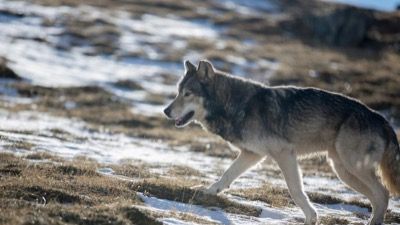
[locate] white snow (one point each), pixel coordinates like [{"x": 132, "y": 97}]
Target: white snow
[
  {"x": 249, "y": 7},
  {"x": 162, "y": 204},
  {"x": 215, "y": 214}
]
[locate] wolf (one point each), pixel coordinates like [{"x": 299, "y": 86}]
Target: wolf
[{"x": 284, "y": 122}]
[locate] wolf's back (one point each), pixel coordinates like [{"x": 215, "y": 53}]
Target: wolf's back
[{"x": 390, "y": 164}]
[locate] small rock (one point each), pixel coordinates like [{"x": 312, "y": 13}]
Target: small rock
[{"x": 6, "y": 72}]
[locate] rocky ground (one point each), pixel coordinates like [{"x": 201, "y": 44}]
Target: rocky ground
[{"x": 82, "y": 86}]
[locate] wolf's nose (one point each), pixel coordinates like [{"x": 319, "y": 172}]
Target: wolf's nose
[{"x": 167, "y": 111}]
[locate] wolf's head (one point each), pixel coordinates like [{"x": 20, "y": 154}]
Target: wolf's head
[{"x": 188, "y": 105}]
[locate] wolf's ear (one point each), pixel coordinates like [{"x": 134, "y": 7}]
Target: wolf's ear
[
  {"x": 189, "y": 67},
  {"x": 205, "y": 70}
]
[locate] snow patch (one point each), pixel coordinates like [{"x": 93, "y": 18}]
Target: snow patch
[{"x": 249, "y": 7}]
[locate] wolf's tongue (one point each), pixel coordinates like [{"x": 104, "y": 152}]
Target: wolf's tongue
[{"x": 178, "y": 121}]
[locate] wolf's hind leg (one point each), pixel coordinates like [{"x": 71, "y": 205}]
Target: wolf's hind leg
[
  {"x": 244, "y": 161},
  {"x": 353, "y": 182},
  {"x": 359, "y": 156},
  {"x": 364, "y": 180},
  {"x": 380, "y": 196},
  {"x": 348, "y": 178},
  {"x": 379, "y": 205},
  {"x": 287, "y": 162}
]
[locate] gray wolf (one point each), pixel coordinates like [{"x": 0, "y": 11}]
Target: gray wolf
[{"x": 285, "y": 122}]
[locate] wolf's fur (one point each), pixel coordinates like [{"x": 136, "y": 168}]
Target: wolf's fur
[
  {"x": 284, "y": 122},
  {"x": 390, "y": 165}
]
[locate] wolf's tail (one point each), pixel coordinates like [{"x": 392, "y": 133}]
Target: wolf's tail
[{"x": 390, "y": 164}]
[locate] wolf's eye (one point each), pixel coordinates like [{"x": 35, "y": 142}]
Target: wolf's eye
[{"x": 187, "y": 94}]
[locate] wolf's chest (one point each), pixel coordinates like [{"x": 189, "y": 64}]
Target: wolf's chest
[{"x": 263, "y": 145}]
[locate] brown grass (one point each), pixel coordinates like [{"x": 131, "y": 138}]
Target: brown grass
[
  {"x": 137, "y": 216},
  {"x": 133, "y": 170},
  {"x": 332, "y": 220},
  {"x": 59, "y": 193},
  {"x": 72, "y": 192},
  {"x": 184, "y": 171},
  {"x": 392, "y": 218},
  {"x": 137, "y": 7},
  {"x": 276, "y": 197},
  {"x": 316, "y": 166},
  {"x": 41, "y": 156},
  {"x": 128, "y": 84}
]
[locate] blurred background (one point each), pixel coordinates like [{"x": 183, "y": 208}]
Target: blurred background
[
  {"x": 351, "y": 48},
  {"x": 89, "y": 79}
]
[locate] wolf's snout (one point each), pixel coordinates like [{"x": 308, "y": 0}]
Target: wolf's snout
[{"x": 167, "y": 112}]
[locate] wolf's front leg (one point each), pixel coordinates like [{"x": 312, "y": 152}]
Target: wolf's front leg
[
  {"x": 287, "y": 162},
  {"x": 245, "y": 160}
]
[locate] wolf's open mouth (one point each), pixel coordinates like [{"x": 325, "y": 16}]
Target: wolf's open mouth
[{"x": 184, "y": 119}]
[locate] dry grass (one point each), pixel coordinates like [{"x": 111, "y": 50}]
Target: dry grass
[
  {"x": 316, "y": 166},
  {"x": 184, "y": 171},
  {"x": 137, "y": 7},
  {"x": 274, "y": 196},
  {"x": 392, "y": 218},
  {"x": 332, "y": 220},
  {"x": 17, "y": 145},
  {"x": 41, "y": 156},
  {"x": 128, "y": 84},
  {"x": 72, "y": 192},
  {"x": 61, "y": 193},
  {"x": 133, "y": 170}
]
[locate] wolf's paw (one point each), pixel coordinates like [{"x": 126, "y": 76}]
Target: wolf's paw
[
  {"x": 211, "y": 190},
  {"x": 313, "y": 222},
  {"x": 214, "y": 188},
  {"x": 311, "y": 219},
  {"x": 371, "y": 222}
]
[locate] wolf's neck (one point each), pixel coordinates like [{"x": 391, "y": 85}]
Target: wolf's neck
[
  {"x": 227, "y": 111},
  {"x": 235, "y": 93}
]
